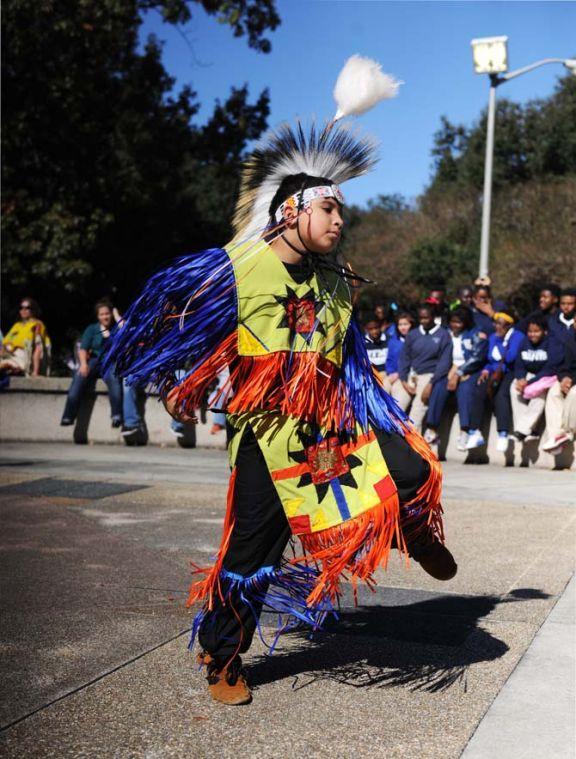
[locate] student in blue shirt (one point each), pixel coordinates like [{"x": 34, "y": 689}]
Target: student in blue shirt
[
  {"x": 425, "y": 358},
  {"x": 405, "y": 322},
  {"x": 377, "y": 347},
  {"x": 539, "y": 356},
  {"x": 469, "y": 349},
  {"x": 495, "y": 380},
  {"x": 562, "y": 321}
]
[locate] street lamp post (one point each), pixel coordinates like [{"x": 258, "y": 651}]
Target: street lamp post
[{"x": 490, "y": 56}]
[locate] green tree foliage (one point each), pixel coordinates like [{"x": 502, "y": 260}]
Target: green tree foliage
[
  {"x": 105, "y": 173},
  {"x": 533, "y": 231}
]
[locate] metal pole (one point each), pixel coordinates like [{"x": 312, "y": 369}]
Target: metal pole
[{"x": 485, "y": 239}]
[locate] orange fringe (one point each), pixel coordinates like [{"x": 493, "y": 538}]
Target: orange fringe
[
  {"x": 358, "y": 547},
  {"x": 204, "y": 589},
  {"x": 302, "y": 385}
]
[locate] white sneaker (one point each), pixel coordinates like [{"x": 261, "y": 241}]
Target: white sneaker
[
  {"x": 462, "y": 441},
  {"x": 556, "y": 443},
  {"x": 475, "y": 440},
  {"x": 431, "y": 437},
  {"x": 502, "y": 444}
]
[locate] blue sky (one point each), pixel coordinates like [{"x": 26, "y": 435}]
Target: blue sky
[{"x": 426, "y": 44}]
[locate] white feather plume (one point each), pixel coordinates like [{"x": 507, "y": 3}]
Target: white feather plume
[{"x": 360, "y": 85}]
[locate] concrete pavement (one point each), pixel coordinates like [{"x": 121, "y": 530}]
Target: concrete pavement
[{"x": 96, "y": 542}]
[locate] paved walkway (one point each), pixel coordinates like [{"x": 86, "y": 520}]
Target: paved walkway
[{"x": 95, "y": 549}]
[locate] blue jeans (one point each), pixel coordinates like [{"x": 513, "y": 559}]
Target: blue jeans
[
  {"x": 465, "y": 393},
  {"x": 80, "y": 384},
  {"x": 133, "y": 400}
]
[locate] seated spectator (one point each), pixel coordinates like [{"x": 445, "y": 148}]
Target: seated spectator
[
  {"x": 561, "y": 401},
  {"x": 424, "y": 359},
  {"x": 385, "y": 317},
  {"x": 26, "y": 348},
  {"x": 469, "y": 349},
  {"x": 562, "y": 321},
  {"x": 494, "y": 382},
  {"x": 537, "y": 363},
  {"x": 548, "y": 298},
  {"x": 91, "y": 351},
  {"x": 405, "y": 322},
  {"x": 377, "y": 347}
]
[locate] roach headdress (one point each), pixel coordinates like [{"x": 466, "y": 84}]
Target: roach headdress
[{"x": 335, "y": 152}]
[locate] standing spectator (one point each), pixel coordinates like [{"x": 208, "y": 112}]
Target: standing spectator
[
  {"x": 377, "y": 347},
  {"x": 561, "y": 400},
  {"x": 26, "y": 347},
  {"x": 482, "y": 310},
  {"x": 424, "y": 359},
  {"x": 91, "y": 351},
  {"x": 464, "y": 297},
  {"x": 537, "y": 363},
  {"x": 385, "y": 317},
  {"x": 562, "y": 321},
  {"x": 548, "y": 298},
  {"x": 437, "y": 297},
  {"x": 469, "y": 349},
  {"x": 495, "y": 380}
]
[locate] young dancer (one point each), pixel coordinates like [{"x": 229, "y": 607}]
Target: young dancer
[{"x": 319, "y": 452}]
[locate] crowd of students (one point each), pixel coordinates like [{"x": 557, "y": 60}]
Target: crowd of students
[{"x": 489, "y": 359}]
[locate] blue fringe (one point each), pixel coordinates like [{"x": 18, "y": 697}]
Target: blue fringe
[
  {"x": 282, "y": 590},
  {"x": 149, "y": 348},
  {"x": 370, "y": 403}
]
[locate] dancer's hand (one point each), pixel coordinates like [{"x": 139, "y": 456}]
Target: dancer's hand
[{"x": 174, "y": 409}]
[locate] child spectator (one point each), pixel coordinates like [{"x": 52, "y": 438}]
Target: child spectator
[
  {"x": 91, "y": 351},
  {"x": 385, "y": 317},
  {"x": 437, "y": 297},
  {"x": 26, "y": 347},
  {"x": 561, "y": 400},
  {"x": 562, "y": 321},
  {"x": 377, "y": 347},
  {"x": 424, "y": 359},
  {"x": 539, "y": 359},
  {"x": 469, "y": 349},
  {"x": 547, "y": 306},
  {"x": 464, "y": 297},
  {"x": 495, "y": 380},
  {"x": 404, "y": 323},
  {"x": 482, "y": 310}
]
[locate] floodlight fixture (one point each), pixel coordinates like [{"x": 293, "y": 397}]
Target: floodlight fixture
[{"x": 490, "y": 55}]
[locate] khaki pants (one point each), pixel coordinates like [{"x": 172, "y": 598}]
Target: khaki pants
[
  {"x": 526, "y": 413},
  {"x": 560, "y": 411},
  {"x": 419, "y": 408}
]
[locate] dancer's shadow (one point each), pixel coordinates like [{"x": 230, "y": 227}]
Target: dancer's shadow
[{"x": 426, "y": 645}]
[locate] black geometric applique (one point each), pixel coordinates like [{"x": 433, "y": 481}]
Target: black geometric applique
[
  {"x": 303, "y": 456},
  {"x": 300, "y": 313}
]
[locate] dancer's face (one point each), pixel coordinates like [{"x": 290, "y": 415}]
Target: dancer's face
[{"x": 320, "y": 226}]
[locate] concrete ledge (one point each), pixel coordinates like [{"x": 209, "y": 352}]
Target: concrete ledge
[{"x": 31, "y": 409}]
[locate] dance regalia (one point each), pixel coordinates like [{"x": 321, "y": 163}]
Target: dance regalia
[
  {"x": 301, "y": 393},
  {"x": 300, "y": 377}
]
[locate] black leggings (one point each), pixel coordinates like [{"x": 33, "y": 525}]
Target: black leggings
[{"x": 261, "y": 533}]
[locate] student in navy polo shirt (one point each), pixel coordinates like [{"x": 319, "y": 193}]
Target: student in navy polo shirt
[
  {"x": 495, "y": 380},
  {"x": 469, "y": 349},
  {"x": 539, "y": 356},
  {"x": 562, "y": 321},
  {"x": 377, "y": 347},
  {"x": 547, "y": 306},
  {"x": 90, "y": 354},
  {"x": 561, "y": 400},
  {"x": 424, "y": 360}
]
